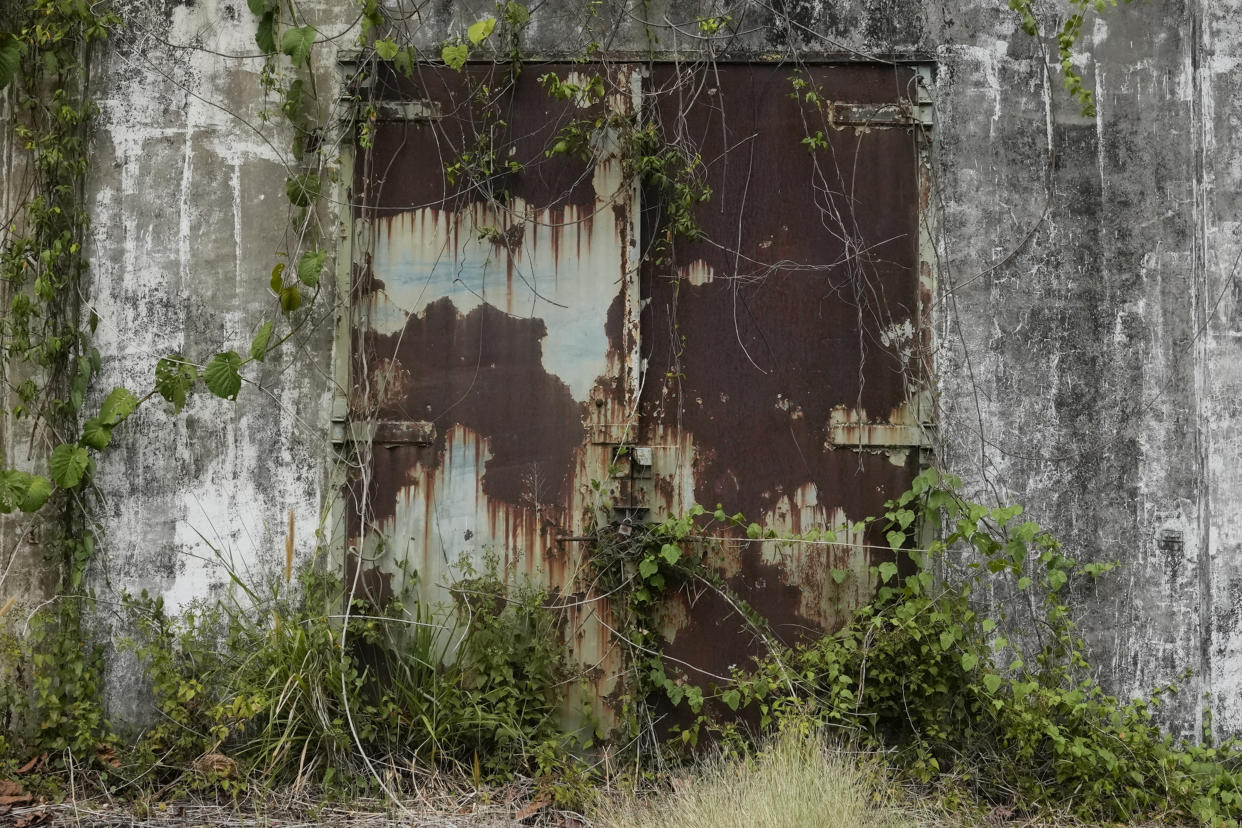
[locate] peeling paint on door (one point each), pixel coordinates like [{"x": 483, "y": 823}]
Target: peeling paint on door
[
  {"x": 509, "y": 341},
  {"x": 499, "y": 319}
]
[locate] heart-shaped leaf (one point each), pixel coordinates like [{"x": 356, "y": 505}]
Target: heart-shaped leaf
[
  {"x": 481, "y": 30},
  {"x": 296, "y": 43},
  {"x": 173, "y": 378},
  {"x": 221, "y": 375},
  {"x": 68, "y": 465}
]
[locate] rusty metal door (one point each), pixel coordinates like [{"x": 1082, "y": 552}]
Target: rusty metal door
[
  {"x": 513, "y": 326},
  {"x": 784, "y": 348},
  {"x": 493, "y": 290}
]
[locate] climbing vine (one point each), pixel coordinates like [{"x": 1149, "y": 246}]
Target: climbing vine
[
  {"x": 48, "y": 359},
  {"x": 1068, "y": 35}
]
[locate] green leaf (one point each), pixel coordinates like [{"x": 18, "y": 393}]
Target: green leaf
[
  {"x": 221, "y": 375},
  {"x": 1056, "y": 579},
  {"x": 754, "y": 530},
  {"x": 896, "y": 539},
  {"x": 694, "y": 697},
  {"x": 96, "y": 434},
  {"x": 969, "y": 660},
  {"x": 648, "y": 567},
  {"x": 454, "y": 56},
  {"x": 310, "y": 266},
  {"x": 302, "y": 190},
  {"x": 294, "y": 105},
  {"x": 1003, "y": 515},
  {"x": 120, "y": 403},
  {"x": 887, "y": 570},
  {"x": 258, "y": 346},
  {"x": 261, "y": 6},
  {"x": 1024, "y": 582},
  {"x": 13, "y": 487},
  {"x": 386, "y": 49},
  {"x": 516, "y": 14},
  {"x": 838, "y": 575},
  {"x": 290, "y": 299},
  {"x": 173, "y": 378},
  {"x": 37, "y": 492},
  {"x": 732, "y": 698},
  {"x": 946, "y": 639},
  {"x": 670, "y": 552},
  {"x": 68, "y": 465},
  {"x": 481, "y": 30},
  {"x": 988, "y": 625},
  {"x": 11, "y": 51},
  {"x": 992, "y": 682},
  {"x": 404, "y": 61},
  {"x": 277, "y": 284},
  {"x": 296, "y": 43},
  {"x": 265, "y": 35},
  {"x": 1027, "y": 531}
]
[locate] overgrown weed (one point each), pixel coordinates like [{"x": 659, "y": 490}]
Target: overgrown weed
[
  {"x": 281, "y": 688},
  {"x": 271, "y": 687},
  {"x": 795, "y": 779}
]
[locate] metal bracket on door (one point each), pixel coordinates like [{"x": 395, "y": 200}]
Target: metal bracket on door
[
  {"x": 847, "y": 429},
  {"x": 387, "y": 433},
  {"x": 631, "y": 472}
]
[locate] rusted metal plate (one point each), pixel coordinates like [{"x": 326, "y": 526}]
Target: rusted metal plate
[
  {"x": 775, "y": 337},
  {"x": 495, "y": 301},
  {"x": 509, "y": 348}
]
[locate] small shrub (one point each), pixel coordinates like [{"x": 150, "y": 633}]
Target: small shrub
[{"x": 924, "y": 672}]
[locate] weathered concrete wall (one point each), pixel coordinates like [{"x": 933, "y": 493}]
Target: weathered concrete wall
[
  {"x": 1082, "y": 370},
  {"x": 1087, "y": 317}
]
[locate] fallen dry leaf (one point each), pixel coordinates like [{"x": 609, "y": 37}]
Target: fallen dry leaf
[
  {"x": 23, "y": 799},
  {"x": 217, "y": 764},
  {"x": 534, "y": 806},
  {"x": 33, "y": 764},
  {"x": 105, "y": 754},
  {"x": 10, "y": 788},
  {"x": 36, "y": 818}
]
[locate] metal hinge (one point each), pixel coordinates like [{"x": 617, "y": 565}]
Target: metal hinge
[
  {"x": 847, "y": 430},
  {"x": 385, "y": 432},
  {"x": 419, "y": 110},
  {"x": 917, "y": 110},
  {"x": 382, "y": 111}
]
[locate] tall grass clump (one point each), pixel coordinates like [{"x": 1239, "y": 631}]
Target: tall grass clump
[
  {"x": 280, "y": 686},
  {"x": 793, "y": 780}
]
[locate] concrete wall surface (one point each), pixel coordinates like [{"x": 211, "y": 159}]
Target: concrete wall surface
[{"x": 1087, "y": 315}]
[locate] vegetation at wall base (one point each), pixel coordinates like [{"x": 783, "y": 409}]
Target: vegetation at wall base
[{"x": 258, "y": 691}]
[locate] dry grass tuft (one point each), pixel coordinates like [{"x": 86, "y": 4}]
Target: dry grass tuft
[{"x": 797, "y": 780}]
